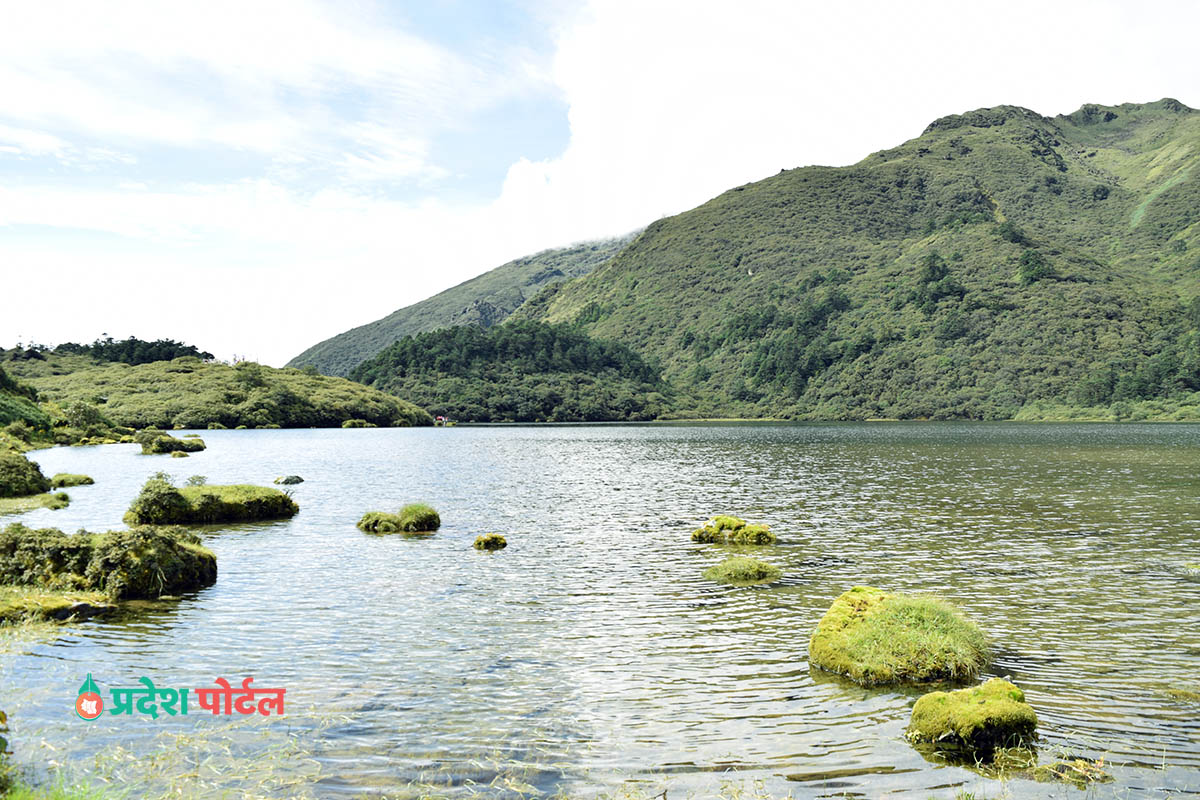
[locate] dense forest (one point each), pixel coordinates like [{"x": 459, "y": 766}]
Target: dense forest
[
  {"x": 483, "y": 301},
  {"x": 126, "y": 351},
  {"x": 520, "y": 371}
]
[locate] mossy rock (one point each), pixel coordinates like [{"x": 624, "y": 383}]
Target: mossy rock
[
  {"x": 974, "y": 721},
  {"x": 160, "y": 503},
  {"x": 20, "y": 477},
  {"x": 289, "y": 480},
  {"x": 379, "y": 522},
  {"x": 733, "y": 530},
  {"x": 419, "y": 518},
  {"x": 65, "y": 479},
  {"x": 141, "y": 563},
  {"x": 179, "y": 454},
  {"x": 743, "y": 571},
  {"x": 875, "y": 637},
  {"x": 490, "y": 541}
]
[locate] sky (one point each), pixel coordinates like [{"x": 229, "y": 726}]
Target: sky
[{"x": 254, "y": 177}]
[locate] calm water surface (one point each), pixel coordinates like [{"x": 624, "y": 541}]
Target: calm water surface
[{"x": 591, "y": 654}]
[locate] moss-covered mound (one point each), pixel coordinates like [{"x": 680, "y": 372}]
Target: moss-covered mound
[
  {"x": 19, "y": 476},
  {"x": 490, "y": 541},
  {"x": 732, "y": 530},
  {"x": 413, "y": 518},
  {"x": 874, "y": 637},
  {"x": 358, "y": 423},
  {"x": 65, "y": 479},
  {"x": 419, "y": 518},
  {"x": 974, "y": 721},
  {"x": 161, "y": 503},
  {"x": 289, "y": 480},
  {"x": 143, "y": 562},
  {"x": 742, "y": 571},
  {"x": 155, "y": 442}
]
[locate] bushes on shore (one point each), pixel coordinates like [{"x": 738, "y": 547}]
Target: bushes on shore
[
  {"x": 161, "y": 503},
  {"x": 144, "y": 562},
  {"x": 20, "y": 477}
]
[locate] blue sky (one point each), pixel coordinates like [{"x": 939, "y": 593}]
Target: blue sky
[{"x": 255, "y": 177}]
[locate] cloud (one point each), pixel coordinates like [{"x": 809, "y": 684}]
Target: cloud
[{"x": 325, "y": 109}]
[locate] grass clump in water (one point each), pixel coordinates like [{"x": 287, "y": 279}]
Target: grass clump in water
[
  {"x": 413, "y": 518},
  {"x": 66, "y": 479},
  {"x": 161, "y": 503},
  {"x": 874, "y": 637},
  {"x": 20, "y": 477},
  {"x": 19, "y": 505},
  {"x": 156, "y": 442},
  {"x": 974, "y": 722},
  {"x": 20, "y": 604},
  {"x": 743, "y": 571},
  {"x": 490, "y": 541},
  {"x": 724, "y": 529},
  {"x": 142, "y": 563}
]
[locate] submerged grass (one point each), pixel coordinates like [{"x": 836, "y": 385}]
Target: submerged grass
[
  {"x": 874, "y": 637},
  {"x": 743, "y": 571},
  {"x": 19, "y": 505},
  {"x": 24, "y": 604}
]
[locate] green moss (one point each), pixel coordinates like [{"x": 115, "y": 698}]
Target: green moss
[
  {"x": 65, "y": 479},
  {"x": 874, "y": 637},
  {"x": 976, "y": 720},
  {"x": 490, "y": 541},
  {"x": 379, "y": 522},
  {"x": 419, "y": 518},
  {"x": 160, "y": 503},
  {"x": 19, "y": 476},
  {"x": 742, "y": 571},
  {"x": 143, "y": 562},
  {"x": 19, "y": 505},
  {"x": 732, "y": 530}
]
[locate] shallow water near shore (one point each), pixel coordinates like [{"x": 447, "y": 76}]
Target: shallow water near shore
[{"x": 590, "y": 655}]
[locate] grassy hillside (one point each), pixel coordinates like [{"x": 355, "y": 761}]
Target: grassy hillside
[
  {"x": 482, "y": 301},
  {"x": 190, "y": 393},
  {"x": 521, "y": 371},
  {"x": 1001, "y": 261}
]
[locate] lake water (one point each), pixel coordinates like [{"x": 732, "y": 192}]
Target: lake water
[{"x": 591, "y": 657}]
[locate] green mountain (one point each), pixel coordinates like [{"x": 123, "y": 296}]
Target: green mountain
[
  {"x": 482, "y": 301},
  {"x": 1002, "y": 263}
]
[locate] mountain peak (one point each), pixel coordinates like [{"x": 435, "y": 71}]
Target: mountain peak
[{"x": 983, "y": 118}]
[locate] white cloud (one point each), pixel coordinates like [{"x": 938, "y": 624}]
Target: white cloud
[{"x": 670, "y": 103}]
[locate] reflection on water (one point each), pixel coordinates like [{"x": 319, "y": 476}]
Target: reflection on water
[{"x": 590, "y": 652}]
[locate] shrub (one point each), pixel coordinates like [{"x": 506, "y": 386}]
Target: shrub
[
  {"x": 19, "y": 476},
  {"x": 741, "y": 571},
  {"x": 357, "y": 423},
  {"x": 143, "y": 562},
  {"x": 490, "y": 541},
  {"x": 874, "y": 637},
  {"x": 65, "y": 479}
]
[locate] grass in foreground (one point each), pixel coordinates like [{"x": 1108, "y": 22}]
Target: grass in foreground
[{"x": 873, "y": 637}]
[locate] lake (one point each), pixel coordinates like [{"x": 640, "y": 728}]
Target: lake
[{"x": 591, "y": 657}]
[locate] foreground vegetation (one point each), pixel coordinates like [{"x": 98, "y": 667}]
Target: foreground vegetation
[
  {"x": 191, "y": 393},
  {"x": 518, "y": 372}
]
